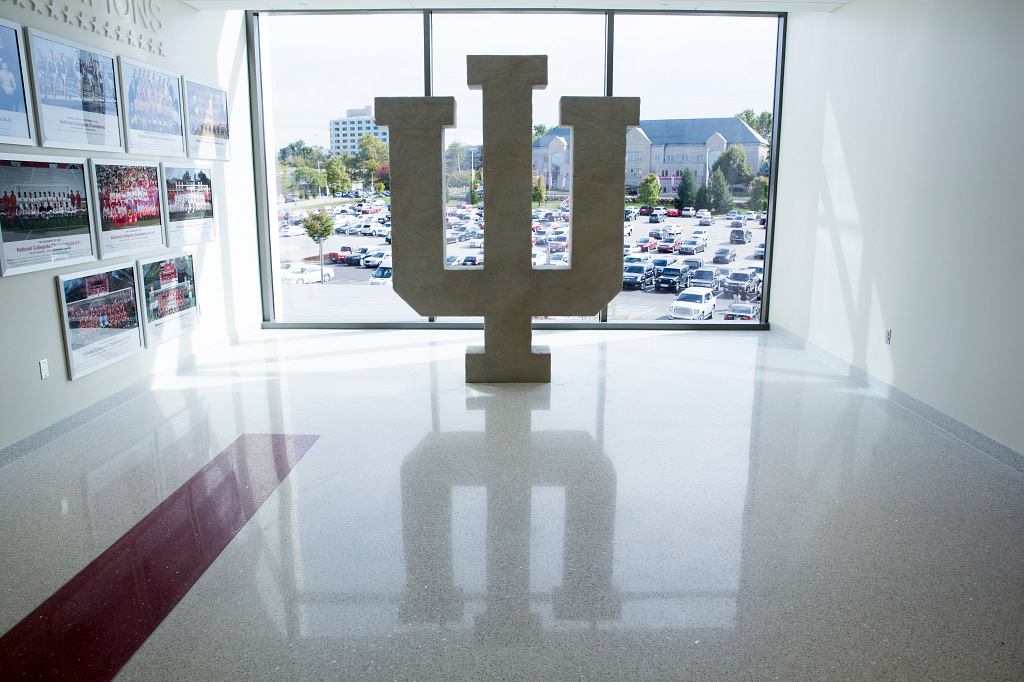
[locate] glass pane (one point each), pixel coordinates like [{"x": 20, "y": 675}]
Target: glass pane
[
  {"x": 702, "y": 145},
  {"x": 327, "y": 154},
  {"x": 574, "y": 44}
]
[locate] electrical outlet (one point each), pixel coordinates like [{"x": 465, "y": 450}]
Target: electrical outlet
[
  {"x": 44, "y": 369},
  {"x": 888, "y": 336}
]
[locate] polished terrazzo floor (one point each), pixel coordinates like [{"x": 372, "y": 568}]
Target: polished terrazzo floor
[{"x": 673, "y": 506}]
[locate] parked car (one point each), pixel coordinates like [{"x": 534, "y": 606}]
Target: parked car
[
  {"x": 743, "y": 283},
  {"x": 732, "y": 214},
  {"x": 631, "y": 214},
  {"x": 688, "y": 212},
  {"x": 702, "y": 213},
  {"x": 656, "y": 218},
  {"x": 645, "y": 210},
  {"x": 636, "y": 259},
  {"x": 646, "y": 244},
  {"x": 473, "y": 260},
  {"x": 356, "y": 257},
  {"x": 452, "y": 261},
  {"x": 293, "y": 231},
  {"x": 477, "y": 242},
  {"x": 372, "y": 259},
  {"x": 675, "y": 277},
  {"x": 693, "y": 303},
  {"x": 662, "y": 263},
  {"x": 706, "y": 221},
  {"x": 700, "y": 235},
  {"x": 690, "y": 246},
  {"x": 657, "y": 233},
  {"x": 750, "y": 215},
  {"x": 726, "y": 254},
  {"x": 759, "y": 250},
  {"x": 740, "y": 236},
  {"x": 630, "y": 248},
  {"x": 340, "y": 254},
  {"x": 558, "y": 244},
  {"x": 306, "y": 273},
  {"x": 763, "y": 222},
  {"x": 638, "y": 275},
  {"x": 694, "y": 263},
  {"x": 627, "y": 230},
  {"x": 709, "y": 277},
  {"x": 382, "y": 275},
  {"x": 368, "y": 230},
  {"x": 672, "y": 213},
  {"x": 743, "y": 311},
  {"x": 668, "y": 245},
  {"x": 737, "y": 221}
]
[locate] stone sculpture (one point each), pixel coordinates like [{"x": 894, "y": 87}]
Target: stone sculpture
[{"x": 507, "y": 291}]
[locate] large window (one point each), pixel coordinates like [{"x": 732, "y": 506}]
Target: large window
[{"x": 696, "y": 233}]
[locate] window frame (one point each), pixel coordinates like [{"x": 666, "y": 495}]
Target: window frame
[{"x": 262, "y": 171}]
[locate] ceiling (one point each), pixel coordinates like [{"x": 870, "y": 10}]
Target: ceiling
[{"x": 702, "y": 5}]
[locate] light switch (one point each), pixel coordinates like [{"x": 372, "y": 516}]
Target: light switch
[{"x": 44, "y": 369}]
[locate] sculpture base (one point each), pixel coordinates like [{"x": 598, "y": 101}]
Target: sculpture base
[{"x": 492, "y": 368}]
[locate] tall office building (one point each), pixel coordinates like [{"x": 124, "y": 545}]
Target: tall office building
[{"x": 344, "y": 133}]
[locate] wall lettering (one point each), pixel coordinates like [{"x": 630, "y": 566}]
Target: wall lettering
[{"x": 132, "y": 23}]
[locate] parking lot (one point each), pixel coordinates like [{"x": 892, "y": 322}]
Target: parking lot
[{"x": 348, "y": 297}]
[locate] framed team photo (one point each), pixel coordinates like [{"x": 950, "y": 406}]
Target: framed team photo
[
  {"x": 16, "y": 125},
  {"x": 151, "y": 97},
  {"x": 188, "y": 204},
  {"x": 100, "y": 316},
  {"x": 45, "y": 219},
  {"x": 206, "y": 120},
  {"x": 76, "y": 100},
  {"x": 170, "y": 306},
  {"x": 126, "y": 206}
]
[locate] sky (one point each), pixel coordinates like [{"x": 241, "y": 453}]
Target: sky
[{"x": 681, "y": 66}]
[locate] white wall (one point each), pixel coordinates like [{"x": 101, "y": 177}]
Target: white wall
[
  {"x": 901, "y": 125},
  {"x": 209, "y": 46}
]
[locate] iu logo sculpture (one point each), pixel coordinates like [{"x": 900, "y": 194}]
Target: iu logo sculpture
[{"x": 507, "y": 291}]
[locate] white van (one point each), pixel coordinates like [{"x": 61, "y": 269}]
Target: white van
[
  {"x": 382, "y": 275},
  {"x": 631, "y": 213},
  {"x": 688, "y": 212}
]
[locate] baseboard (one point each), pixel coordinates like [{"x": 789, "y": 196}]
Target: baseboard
[
  {"x": 29, "y": 444},
  {"x": 976, "y": 439}
]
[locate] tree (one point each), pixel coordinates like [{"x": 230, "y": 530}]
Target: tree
[
  {"x": 703, "y": 198},
  {"x": 383, "y": 176},
  {"x": 308, "y": 177},
  {"x": 456, "y": 155},
  {"x": 762, "y": 124},
  {"x": 540, "y": 193},
  {"x": 473, "y": 196},
  {"x": 734, "y": 166},
  {"x": 758, "y": 195},
  {"x": 686, "y": 193},
  {"x": 650, "y": 188},
  {"x": 539, "y": 130},
  {"x": 372, "y": 155},
  {"x": 338, "y": 179},
  {"x": 721, "y": 197},
  {"x": 319, "y": 226}
]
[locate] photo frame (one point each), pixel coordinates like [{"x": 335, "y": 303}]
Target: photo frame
[
  {"x": 17, "y": 120},
  {"x": 170, "y": 303},
  {"x": 127, "y": 206},
  {"x": 76, "y": 97},
  {"x": 100, "y": 317},
  {"x": 188, "y": 203},
  {"x": 206, "y": 120},
  {"x": 45, "y": 219},
  {"x": 154, "y": 122}
]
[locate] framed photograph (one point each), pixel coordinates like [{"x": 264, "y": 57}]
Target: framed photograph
[
  {"x": 153, "y": 122},
  {"x": 45, "y": 220},
  {"x": 76, "y": 99},
  {"x": 100, "y": 317},
  {"x": 127, "y": 207},
  {"x": 206, "y": 120},
  {"x": 170, "y": 306},
  {"x": 188, "y": 204},
  {"x": 16, "y": 125}
]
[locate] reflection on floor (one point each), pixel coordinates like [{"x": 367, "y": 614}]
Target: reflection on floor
[{"x": 673, "y": 506}]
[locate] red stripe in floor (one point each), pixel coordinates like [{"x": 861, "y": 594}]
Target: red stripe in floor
[{"x": 90, "y": 627}]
